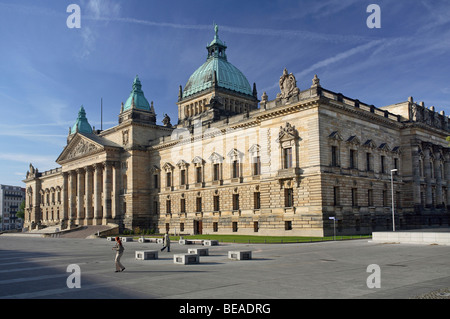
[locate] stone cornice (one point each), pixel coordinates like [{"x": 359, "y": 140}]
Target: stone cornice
[{"x": 253, "y": 120}]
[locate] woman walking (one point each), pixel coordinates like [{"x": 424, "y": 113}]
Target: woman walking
[{"x": 119, "y": 248}]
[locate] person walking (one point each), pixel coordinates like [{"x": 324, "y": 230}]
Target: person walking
[
  {"x": 119, "y": 248},
  {"x": 166, "y": 242}
]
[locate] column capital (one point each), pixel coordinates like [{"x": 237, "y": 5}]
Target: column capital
[
  {"x": 97, "y": 166},
  {"x": 89, "y": 168}
]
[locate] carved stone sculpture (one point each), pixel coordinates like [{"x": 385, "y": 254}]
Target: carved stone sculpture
[{"x": 288, "y": 85}]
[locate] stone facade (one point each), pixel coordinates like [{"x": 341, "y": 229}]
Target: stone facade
[{"x": 283, "y": 168}]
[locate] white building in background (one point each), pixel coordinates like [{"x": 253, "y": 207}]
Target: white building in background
[{"x": 10, "y": 199}]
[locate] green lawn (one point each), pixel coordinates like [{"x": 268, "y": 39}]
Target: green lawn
[
  {"x": 270, "y": 239},
  {"x": 245, "y": 239}
]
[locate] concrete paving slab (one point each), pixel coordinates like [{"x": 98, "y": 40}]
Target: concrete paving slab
[{"x": 327, "y": 270}]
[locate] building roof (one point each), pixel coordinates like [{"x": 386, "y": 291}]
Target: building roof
[
  {"x": 137, "y": 98},
  {"x": 81, "y": 124},
  {"x": 217, "y": 71}
]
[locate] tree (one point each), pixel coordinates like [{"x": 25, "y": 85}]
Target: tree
[{"x": 21, "y": 212}]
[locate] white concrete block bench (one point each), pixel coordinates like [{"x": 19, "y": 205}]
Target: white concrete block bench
[
  {"x": 190, "y": 241},
  {"x": 150, "y": 240},
  {"x": 208, "y": 242},
  {"x": 146, "y": 254},
  {"x": 240, "y": 255},
  {"x": 199, "y": 251},
  {"x": 125, "y": 239},
  {"x": 186, "y": 259},
  {"x": 110, "y": 238}
]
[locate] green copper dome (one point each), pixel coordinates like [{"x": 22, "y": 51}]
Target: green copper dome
[
  {"x": 217, "y": 71},
  {"x": 137, "y": 98},
  {"x": 81, "y": 125}
]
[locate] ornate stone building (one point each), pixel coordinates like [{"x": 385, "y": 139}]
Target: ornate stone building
[{"x": 234, "y": 164}]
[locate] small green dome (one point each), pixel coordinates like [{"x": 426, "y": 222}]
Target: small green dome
[
  {"x": 81, "y": 125},
  {"x": 227, "y": 75},
  {"x": 137, "y": 98}
]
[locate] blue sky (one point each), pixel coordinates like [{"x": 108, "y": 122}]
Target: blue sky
[{"x": 47, "y": 71}]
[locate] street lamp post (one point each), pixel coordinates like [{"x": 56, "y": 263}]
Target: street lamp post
[
  {"x": 392, "y": 196},
  {"x": 334, "y": 227}
]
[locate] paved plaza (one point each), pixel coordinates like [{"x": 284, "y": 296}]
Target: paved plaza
[{"x": 37, "y": 268}]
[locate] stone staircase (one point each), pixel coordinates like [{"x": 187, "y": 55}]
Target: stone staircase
[{"x": 85, "y": 231}]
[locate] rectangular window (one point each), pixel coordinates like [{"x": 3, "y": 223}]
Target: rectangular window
[
  {"x": 288, "y": 225},
  {"x": 288, "y": 197},
  {"x": 216, "y": 172},
  {"x": 235, "y": 227},
  {"x": 198, "y": 174},
  {"x": 353, "y": 159},
  {"x": 334, "y": 156},
  {"x": 354, "y": 197},
  {"x": 382, "y": 160},
  {"x": 370, "y": 197},
  {"x": 155, "y": 181},
  {"x": 216, "y": 203},
  {"x": 168, "y": 206},
  {"x": 336, "y": 196},
  {"x": 235, "y": 201},
  {"x": 287, "y": 154},
  {"x": 181, "y": 227},
  {"x": 183, "y": 205},
  {"x": 256, "y": 200},
  {"x": 257, "y": 165},
  {"x": 396, "y": 165},
  {"x": 168, "y": 179},
  {"x": 215, "y": 227},
  {"x": 368, "y": 162},
  {"x": 385, "y": 198},
  {"x": 235, "y": 169},
  {"x": 183, "y": 177},
  {"x": 199, "y": 204}
]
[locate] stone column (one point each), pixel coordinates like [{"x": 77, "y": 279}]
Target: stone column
[
  {"x": 65, "y": 200},
  {"x": 416, "y": 175},
  {"x": 97, "y": 194},
  {"x": 107, "y": 187},
  {"x": 447, "y": 177},
  {"x": 88, "y": 195},
  {"x": 428, "y": 190},
  {"x": 115, "y": 191},
  {"x": 36, "y": 205},
  {"x": 80, "y": 196},
  {"x": 438, "y": 176},
  {"x": 72, "y": 198}
]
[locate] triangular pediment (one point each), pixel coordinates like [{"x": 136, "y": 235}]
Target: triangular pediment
[
  {"x": 369, "y": 144},
  {"x": 335, "y": 136},
  {"x": 384, "y": 147},
  {"x": 287, "y": 133},
  {"x": 216, "y": 158},
  {"x": 254, "y": 149},
  {"x": 234, "y": 153},
  {"x": 182, "y": 164},
  {"x": 79, "y": 146},
  {"x": 354, "y": 140},
  {"x": 198, "y": 160}
]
